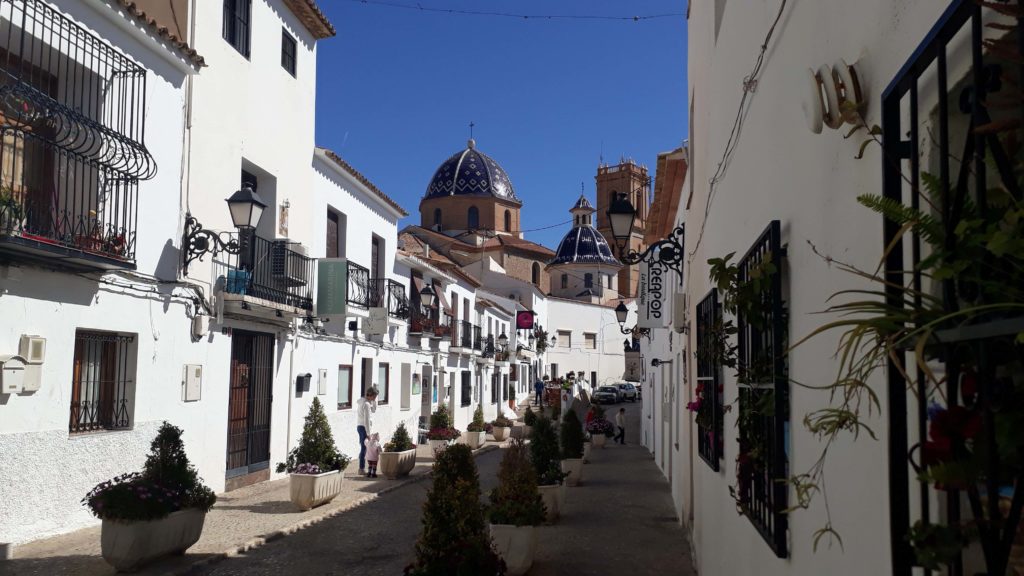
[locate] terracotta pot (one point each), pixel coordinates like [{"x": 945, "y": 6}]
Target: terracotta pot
[
  {"x": 312, "y": 490},
  {"x": 598, "y": 440},
  {"x": 397, "y": 464},
  {"x": 574, "y": 467},
  {"x": 129, "y": 545},
  {"x": 475, "y": 439},
  {"x": 517, "y": 545},
  {"x": 552, "y": 497},
  {"x": 500, "y": 433}
]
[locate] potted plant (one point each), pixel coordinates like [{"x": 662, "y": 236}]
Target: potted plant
[
  {"x": 544, "y": 454},
  {"x": 477, "y": 430},
  {"x": 399, "y": 455},
  {"x": 454, "y": 540},
  {"x": 442, "y": 434},
  {"x": 314, "y": 466},
  {"x": 516, "y": 510},
  {"x": 600, "y": 430},
  {"x": 571, "y": 432},
  {"x": 10, "y": 211},
  {"x": 529, "y": 419},
  {"x": 501, "y": 427},
  {"x": 154, "y": 513}
]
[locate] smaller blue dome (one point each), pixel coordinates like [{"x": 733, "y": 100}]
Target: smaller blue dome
[{"x": 584, "y": 245}]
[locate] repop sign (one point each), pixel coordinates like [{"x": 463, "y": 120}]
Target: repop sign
[{"x": 524, "y": 320}]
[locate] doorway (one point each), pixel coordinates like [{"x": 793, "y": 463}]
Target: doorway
[{"x": 249, "y": 399}]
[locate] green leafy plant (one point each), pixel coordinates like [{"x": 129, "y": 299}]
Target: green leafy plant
[
  {"x": 529, "y": 417},
  {"x": 441, "y": 425},
  {"x": 516, "y": 500},
  {"x": 400, "y": 440},
  {"x": 316, "y": 446},
  {"x": 455, "y": 540},
  {"x": 571, "y": 433},
  {"x": 501, "y": 422},
  {"x": 542, "y": 340},
  {"x": 168, "y": 483},
  {"x": 545, "y": 454},
  {"x": 477, "y": 425}
]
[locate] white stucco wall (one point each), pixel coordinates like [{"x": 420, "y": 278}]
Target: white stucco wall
[{"x": 607, "y": 359}]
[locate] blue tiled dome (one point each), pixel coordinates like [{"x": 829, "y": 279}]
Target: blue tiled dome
[
  {"x": 471, "y": 173},
  {"x": 584, "y": 245}
]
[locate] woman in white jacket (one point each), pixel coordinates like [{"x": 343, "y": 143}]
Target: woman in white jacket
[{"x": 365, "y": 407}]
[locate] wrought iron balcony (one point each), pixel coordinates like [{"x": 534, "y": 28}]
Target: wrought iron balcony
[
  {"x": 278, "y": 273},
  {"x": 72, "y": 121},
  {"x": 478, "y": 342},
  {"x": 358, "y": 285},
  {"x": 462, "y": 335},
  {"x": 420, "y": 323}
]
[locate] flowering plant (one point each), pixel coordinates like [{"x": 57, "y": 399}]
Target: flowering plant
[
  {"x": 501, "y": 422},
  {"x": 443, "y": 434},
  {"x": 306, "y": 468},
  {"x": 600, "y": 425}
]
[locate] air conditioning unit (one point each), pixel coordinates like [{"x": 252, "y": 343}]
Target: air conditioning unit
[
  {"x": 32, "y": 349},
  {"x": 289, "y": 269}
]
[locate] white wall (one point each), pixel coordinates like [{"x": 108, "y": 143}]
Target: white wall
[{"x": 607, "y": 359}]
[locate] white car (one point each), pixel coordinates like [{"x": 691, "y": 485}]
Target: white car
[{"x": 628, "y": 392}]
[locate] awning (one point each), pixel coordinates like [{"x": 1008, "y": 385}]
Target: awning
[
  {"x": 439, "y": 292},
  {"x": 417, "y": 287}
]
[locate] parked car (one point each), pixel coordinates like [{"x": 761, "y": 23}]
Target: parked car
[
  {"x": 639, "y": 390},
  {"x": 628, "y": 391},
  {"x": 606, "y": 395}
]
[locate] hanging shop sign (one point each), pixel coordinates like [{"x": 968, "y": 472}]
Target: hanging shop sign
[{"x": 653, "y": 296}]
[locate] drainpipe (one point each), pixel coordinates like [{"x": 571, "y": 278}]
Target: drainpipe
[{"x": 291, "y": 378}]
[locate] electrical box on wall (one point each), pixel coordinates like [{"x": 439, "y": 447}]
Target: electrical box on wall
[
  {"x": 32, "y": 349},
  {"x": 192, "y": 383},
  {"x": 12, "y": 374},
  {"x": 321, "y": 382}
]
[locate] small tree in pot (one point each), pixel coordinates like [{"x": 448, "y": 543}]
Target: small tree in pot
[
  {"x": 501, "y": 427},
  {"x": 571, "y": 433},
  {"x": 529, "y": 419},
  {"x": 315, "y": 466},
  {"x": 441, "y": 433},
  {"x": 399, "y": 455},
  {"x": 516, "y": 509},
  {"x": 454, "y": 540},
  {"x": 154, "y": 513},
  {"x": 477, "y": 429},
  {"x": 544, "y": 453}
]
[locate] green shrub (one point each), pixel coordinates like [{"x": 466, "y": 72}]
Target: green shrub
[
  {"x": 529, "y": 417},
  {"x": 544, "y": 453},
  {"x": 556, "y": 411},
  {"x": 316, "y": 452},
  {"x": 168, "y": 483},
  {"x": 441, "y": 418},
  {"x": 455, "y": 539},
  {"x": 571, "y": 433},
  {"x": 477, "y": 425},
  {"x": 502, "y": 422},
  {"x": 400, "y": 440},
  {"x": 516, "y": 499}
]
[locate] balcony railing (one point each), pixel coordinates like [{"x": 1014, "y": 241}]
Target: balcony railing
[
  {"x": 367, "y": 292},
  {"x": 359, "y": 288},
  {"x": 279, "y": 273},
  {"x": 478, "y": 341},
  {"x": 462, "y": 335},
  {"x": 72, "y": 127}
]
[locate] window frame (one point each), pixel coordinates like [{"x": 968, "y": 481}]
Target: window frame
[
  {"x": 588, "y": 280},
  {"x": 588, "y": 338},
  {"x": 287, "y": 40},
  {"x": 382, "y": 399},
  {"x": 565, "y": 281},
  {"x": 239, "y": 14},
  {"x": 472, "y": 218},
  {"x": 117, "y": 353},
  {"x": 466, "y": 391},
  {"x": 565, "y": 338},
  {"x": 351, "y": 373}
]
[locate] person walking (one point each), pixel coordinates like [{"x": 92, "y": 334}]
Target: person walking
[
  {"x": 538, "y": 387},
  {"x": 620, "y": 421},
  {"x": 365, "y": 407},
  {"x": 372, "y": 446}
]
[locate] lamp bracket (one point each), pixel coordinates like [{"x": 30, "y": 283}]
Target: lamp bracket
[
  {"x": 197, "y": 241},
  {"x": 668, "y": 252}
]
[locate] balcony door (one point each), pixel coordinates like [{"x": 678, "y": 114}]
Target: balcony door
[{"x": 250, "y": 395}]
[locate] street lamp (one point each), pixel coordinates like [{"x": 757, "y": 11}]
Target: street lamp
[
  {"x": 427, "y": 297},
  {"x": 502, "y": 341},
  {"x": 246, "y": 209},
  {"x": 531, "y": 339},
  {"x": 621, "y": 313},
  {"x": 668, "y": 251}
]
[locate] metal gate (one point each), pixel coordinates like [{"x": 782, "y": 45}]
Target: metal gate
[{"x": 252, "y": 372}]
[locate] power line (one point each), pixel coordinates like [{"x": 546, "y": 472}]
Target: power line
[{"x": 454, "y": 11}]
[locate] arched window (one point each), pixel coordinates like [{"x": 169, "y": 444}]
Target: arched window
[
  {"x": 508, "y": 220},
  {"x": 588, "y": 280},
  {"x": 536, "y": 274},
  {"x": 565, "y": 281},
  {"x": 437, "y": 217},
  {"x": 473, "y": 221}
]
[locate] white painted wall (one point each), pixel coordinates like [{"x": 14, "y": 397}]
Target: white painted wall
[{"x": 577, "y": 318}]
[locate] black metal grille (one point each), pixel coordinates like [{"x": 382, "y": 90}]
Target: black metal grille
[
  {"x": 764, "y": 397},
  {"x": 249, "y": 402},
  {"x": 361, "y": 292},
  {"x": 478, "y": 341},
  {"x": 464, "y": 334},
  {"x": 101, "y": 382},
  {"x": 467, "y": 389},
  {"x": 288, "y": 52},
  {"x": 969, "y": 155},
  {"x": 398, "y": 304},
  {"x": 710, "y": 415},
  {"x": 277, "y": 273},
  {"x": 237, "y": 24}
]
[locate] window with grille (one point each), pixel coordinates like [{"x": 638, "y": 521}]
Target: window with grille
[
  {"x": 763, "y": 418},
  {"x": 288, "y": 52},
  {"x": 588, "y": 280},
  {"x": 710, "y": 336},
  {"x": 467, "y": 389},
  {"x": 237, "y": 24},
  {"x": 102, "y": 383}
]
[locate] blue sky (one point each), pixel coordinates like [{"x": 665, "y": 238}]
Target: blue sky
[{"x": 398, "y": 88}]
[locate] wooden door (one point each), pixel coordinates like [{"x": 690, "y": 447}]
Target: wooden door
[{"x": 249, "y": 401}]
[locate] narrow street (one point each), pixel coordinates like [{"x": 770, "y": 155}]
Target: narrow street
[{"x": 618, "y": 521}]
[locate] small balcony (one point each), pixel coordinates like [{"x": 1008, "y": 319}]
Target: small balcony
[
  {"x": 279, "y": 279},
  {"x": 367, "y": 292},
  {"x": 478, "y": 341},
  {"x": 462, "y": 335}
]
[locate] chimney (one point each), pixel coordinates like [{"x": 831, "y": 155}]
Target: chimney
[{"x": 426, "y": 250}]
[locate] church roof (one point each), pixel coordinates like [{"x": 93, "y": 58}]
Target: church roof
[
  {"x": 583, "y": 204},
  {"x": 471, "y": 173},
  {"x": 584, "y": 245}
]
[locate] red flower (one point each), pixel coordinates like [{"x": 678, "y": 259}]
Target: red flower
[
  {"x": 955, "y": 424},
  {"x": 969, "y": 386}
]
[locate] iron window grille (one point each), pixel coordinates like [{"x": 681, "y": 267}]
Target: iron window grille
[
  {"x": 288, "y": 52},
  {"x": 238, "y": 24},
  {"x": 467, "y": 389},
  {"x": 710, "y": 415},
  {"x": 764, "y": 398},
  {"x": 397, "y": 303},
  {"x": 478, "y": 342},
  {"x": 101, "y": 382},
  {"x": 494, "y": 389},
  {"x": 968, "y": 163},
  {"x": 72, "y": 132}
]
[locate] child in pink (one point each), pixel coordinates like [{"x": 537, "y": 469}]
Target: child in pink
[{"x": 372, "y": 452}]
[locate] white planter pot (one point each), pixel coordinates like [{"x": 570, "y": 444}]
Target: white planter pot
[
  {"x": 475, "y": 439},
  {"x": 500, "y": 433},
  {"x": 586, "y": 452},
  {"x": 397, "y": 464},
  {"x": 312, "y": 490},
  {"x": 517, "y": 545},
  {"x": 552, "y": 498},
  {"x": 128, "y": 545},
  {"x": 522, "y": 432},
  {"x": 438, "y": 446},
  {"x": 574, "y": 466},
  {"x": 598, "y": 440}
]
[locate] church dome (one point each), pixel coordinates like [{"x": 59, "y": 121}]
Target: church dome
[
  {"x": 584, "y": 245},
  {"x": 471, "y": 173}
]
